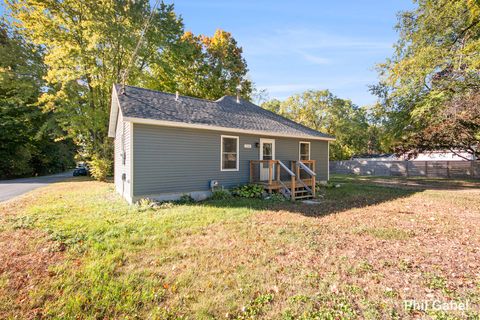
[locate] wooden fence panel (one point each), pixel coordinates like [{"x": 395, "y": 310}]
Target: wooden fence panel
[
  {"x": 433, "y": 169},
  {"x": 398, "y": 168},
  {"x": 461, "y": 170},
  {"x": 416, "y": 168}
]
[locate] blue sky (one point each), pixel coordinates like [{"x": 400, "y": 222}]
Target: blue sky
[{"x": 294, "y": 46}]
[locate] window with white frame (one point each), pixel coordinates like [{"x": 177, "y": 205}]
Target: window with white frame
[
  {"x": 229, "y": 153},
  {"x": 304, "y": 152}
]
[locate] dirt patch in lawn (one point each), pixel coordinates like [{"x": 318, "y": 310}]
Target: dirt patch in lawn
[
  {"x": 26, "y": 258},
  {"x": 412, "y": 182}
]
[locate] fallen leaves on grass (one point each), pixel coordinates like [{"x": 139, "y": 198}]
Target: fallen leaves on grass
[{"x": 26, "y": 258}]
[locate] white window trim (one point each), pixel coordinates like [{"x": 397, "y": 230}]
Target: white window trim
[
  {"x": 262, "y": 141},
  {"x": 300, "y": 150},
  {"x": 221, "y": 152}
]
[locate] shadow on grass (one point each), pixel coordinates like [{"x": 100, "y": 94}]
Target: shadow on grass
[
  {"x": 412, "y": 182},
  {"x": 349, "y": 195}
]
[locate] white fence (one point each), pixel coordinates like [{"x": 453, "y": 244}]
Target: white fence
[{"x": 437, "y": 169}]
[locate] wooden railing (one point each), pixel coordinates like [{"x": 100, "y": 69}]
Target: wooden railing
[
  {"x": 288, "y": 192},
  {"x": 305, "y": 169},
  {"x": 263, "y": 170},
  {"x": 275, "y": 175}
]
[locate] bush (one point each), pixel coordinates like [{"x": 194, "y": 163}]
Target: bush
[
  {"x": 166, "y": 205},
  {"x": 145, "y": 204},
  {"x": 221, "y": 195},
  {"x": 249, "y": 191},
  {"x": 277, "y": 197},
  {"x": 100, "y": 168},
  {"x": 326, "y": 185},
  {"x": 185, "y": 199}
]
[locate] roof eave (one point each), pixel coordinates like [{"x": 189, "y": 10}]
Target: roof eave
[
  {"x": 224, "y": 129},
  {"x": 114, "y": 112}
]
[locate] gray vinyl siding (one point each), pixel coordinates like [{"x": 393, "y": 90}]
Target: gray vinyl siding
[
  {"x": 319, "y": 152},
  {"x": 177, "y": 160}
]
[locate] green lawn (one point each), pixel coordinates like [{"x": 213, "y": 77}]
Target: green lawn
[{"x": 76, "y": 250}]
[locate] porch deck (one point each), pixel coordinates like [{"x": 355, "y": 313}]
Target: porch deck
[
  {"x": 296, "y": 182},
  {"x": 275, "y": 185}
]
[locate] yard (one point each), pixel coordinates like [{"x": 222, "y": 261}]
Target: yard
[{"x": 75, "y": 249}]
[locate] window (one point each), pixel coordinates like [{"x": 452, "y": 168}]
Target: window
[
  {"x": 229, "y": 153},
  {"x": 304, "y": 151}
]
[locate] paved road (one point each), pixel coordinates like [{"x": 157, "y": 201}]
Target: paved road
[{"x": 12, "y": 188}]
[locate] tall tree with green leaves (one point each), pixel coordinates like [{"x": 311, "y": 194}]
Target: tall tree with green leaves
[
  {"x": 28, "y": 137},
  {"x": 322, "y": 111},
  {"x": 430, "y": 88},
  {"x": 87, "y": 46}
]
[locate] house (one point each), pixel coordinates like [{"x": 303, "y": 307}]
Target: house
[
  {"x": 442, "y": 155},
  {"x": 168, "y": 145},
  {"x": 437, "y": 155}
]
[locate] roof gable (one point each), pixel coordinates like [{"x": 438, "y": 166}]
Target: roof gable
[{"x": 142, "y": 105}]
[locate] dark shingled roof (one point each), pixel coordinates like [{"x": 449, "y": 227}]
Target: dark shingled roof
[{"x": 225, "y": 112}]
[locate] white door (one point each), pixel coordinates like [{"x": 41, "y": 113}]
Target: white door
[{"x": 267, "y": 152}]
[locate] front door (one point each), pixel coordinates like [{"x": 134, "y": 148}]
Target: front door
[{"x": 267, "y": 152}]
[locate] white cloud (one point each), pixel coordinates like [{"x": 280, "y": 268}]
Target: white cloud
[
  {"x": 296, "y": 53},
  {"x": 314, "y": 58},
  {"x": 288, "y": 87},
  {"x": 353, "y": 87},
  {"x": 331, "y": 83},
  {"x": 303, "y": 40}
]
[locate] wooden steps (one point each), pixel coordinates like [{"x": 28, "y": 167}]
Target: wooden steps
[
  {"x": 302, "y": 193},
  {"x": 296, "y": 182},
  {"x": 306, "y": 197}
]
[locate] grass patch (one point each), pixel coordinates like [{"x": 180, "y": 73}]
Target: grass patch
[
  {"x": 89, "y": 253},
  {"x": 386, "y": 233},
  {"x": 428, "y": 182}
]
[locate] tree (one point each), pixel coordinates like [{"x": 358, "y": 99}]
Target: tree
[
  {"x": 429, "y": 88},
  {"x": 27, "y": 136},
  {"x": 322, "y": 111},
  {"x": 458, "y": 130},
  {"x": 204, "y": 67},
  {"x": 88, "y": 45}
]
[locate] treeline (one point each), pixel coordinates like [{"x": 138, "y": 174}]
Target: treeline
[
  {"x": 429, "y": 89},
  {"x": 30, "y": 142},
  {"x": 428, "y": 92},
  {"x": 357, "y": 129},
  {"x": 58, "y": 68},
  {"x": 84, "y": 47}
]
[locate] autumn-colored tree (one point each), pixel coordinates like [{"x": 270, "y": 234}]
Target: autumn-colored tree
[
  {"x": 458, "y": 129},
  {"x": 87, "y": 46},
  {"x": 429, "y": 88},
  {"x": 204, "y": 67}
]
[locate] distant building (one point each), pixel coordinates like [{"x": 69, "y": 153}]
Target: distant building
[
  {"x": 425, "y": 156},
  {"x": 442, "y": 156},
  {"x": 377, "y": 157}
]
